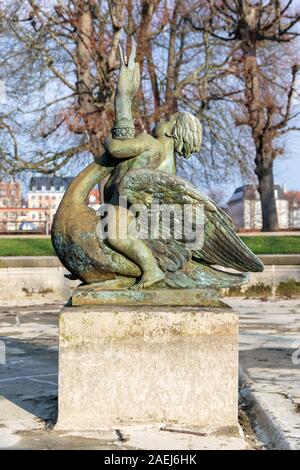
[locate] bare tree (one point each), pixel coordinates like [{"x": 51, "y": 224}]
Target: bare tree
[
  {"x": 259, "y": 38},
  {"x": 58, "y": 61}
]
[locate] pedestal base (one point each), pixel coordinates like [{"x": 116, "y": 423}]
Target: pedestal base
[{"x": 119, "y": 365}]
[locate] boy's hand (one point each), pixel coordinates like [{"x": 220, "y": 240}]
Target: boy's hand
[
  {"x": 128, "y": 83},
  {"x": 129, "y": 77}
]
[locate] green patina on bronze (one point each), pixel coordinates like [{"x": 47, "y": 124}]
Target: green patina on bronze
[{"x": 142, "y": 168}]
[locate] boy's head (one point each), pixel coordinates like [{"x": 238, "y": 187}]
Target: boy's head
[{"x": 185, "y": 129}]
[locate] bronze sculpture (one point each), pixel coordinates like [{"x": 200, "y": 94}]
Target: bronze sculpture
[{"x": 142, "y": 169}]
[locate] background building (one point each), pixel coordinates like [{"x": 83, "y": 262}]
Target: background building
[
  {"x": 10, "y": 194},
  {"x": 46, "y": 192},
  {"x": 94, "y": 199},
  {"x": 294, "y": 208},
  {"x": 244, "y": 208},
  {"x": 24, "y": 219}
]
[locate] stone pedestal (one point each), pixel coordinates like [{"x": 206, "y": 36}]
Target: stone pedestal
[{"x": 124, "y": 365}]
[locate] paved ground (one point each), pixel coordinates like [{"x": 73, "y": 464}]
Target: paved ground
[
  {"x": 270, "y": 338},
  {"x": 270, "y": 367}
]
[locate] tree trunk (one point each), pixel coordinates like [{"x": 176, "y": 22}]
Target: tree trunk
[
  {"x": 257, "y": 117},
  {"x": 267, "y": 198},
  {"x": 95, "y": 122},
  {"x": 171, "y": 105}
]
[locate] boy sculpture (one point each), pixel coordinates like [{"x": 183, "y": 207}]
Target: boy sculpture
[{"x": 142, "y": 169}]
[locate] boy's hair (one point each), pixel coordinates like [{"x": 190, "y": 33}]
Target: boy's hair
[{"x": 187, "y": 134}]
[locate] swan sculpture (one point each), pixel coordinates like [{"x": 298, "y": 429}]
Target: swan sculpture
[{"x": 142, "y": 171}]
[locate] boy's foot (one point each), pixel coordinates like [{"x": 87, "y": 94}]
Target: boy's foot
[{"x": 149, "y": 278}]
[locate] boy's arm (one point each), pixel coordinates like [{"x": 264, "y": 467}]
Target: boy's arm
[
  {"x": 130, "y": 148},
  {"x": 127, "y": 86},
  {"x": 122, "y": 143}
]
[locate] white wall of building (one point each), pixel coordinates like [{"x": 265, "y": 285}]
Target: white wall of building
[
  {"x": 253, "y": 215},
  {"x": 282, "y": 206},
  {"x": 45, "y": 199},
  {"x": 295, "y": 217}
]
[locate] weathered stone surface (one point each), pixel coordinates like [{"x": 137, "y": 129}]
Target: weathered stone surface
[
  {"x": 17, "y": 283},
  {"x": 91, "y": 295},
  {"x": 132, "y": 365}
]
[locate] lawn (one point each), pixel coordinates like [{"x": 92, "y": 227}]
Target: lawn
[
  {"x": 26, "y": 247},
  {"x": 278, "y": 245},
  {"x": 43, "y": 247}
]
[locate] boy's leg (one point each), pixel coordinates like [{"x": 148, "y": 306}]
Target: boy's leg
[{"x": 134, "y": 249}]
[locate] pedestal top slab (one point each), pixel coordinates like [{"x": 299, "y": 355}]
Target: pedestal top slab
[{"x": 91, "y": 295}]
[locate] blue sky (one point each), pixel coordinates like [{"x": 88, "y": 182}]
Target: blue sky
[{"x": 287, "y": 167}]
